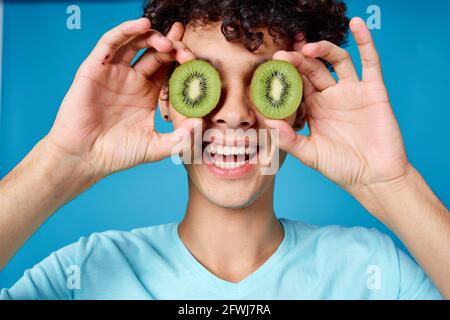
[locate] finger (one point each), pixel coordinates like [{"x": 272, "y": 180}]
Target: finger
[
  {"x": 151, "y": 39},
  {"x": 152, "y": 60},
  {"x": 298, "y": 145},
  {"x": 163, "y": 43},
  {"x": 313, "y": 69},
  {"x": 111, "y": 41},
  {"x": 148, "y": 64},
  {"x": 371, "y": 67},
  {"x": 308, "y": 87},
  {"x": 176, "y": 32},
  {"x": 173, "y": 143},
  {"x": 338, "y": 57}
]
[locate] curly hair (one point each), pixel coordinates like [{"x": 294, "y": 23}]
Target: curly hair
[{"x": 312, "y": 20}]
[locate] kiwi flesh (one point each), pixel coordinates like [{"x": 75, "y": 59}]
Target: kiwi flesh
[
  {"x": 276, "y": 89},
  {"x": 194, "y": 88}
]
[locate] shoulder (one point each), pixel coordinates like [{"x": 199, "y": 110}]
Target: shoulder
[
  {"x": 344, "y": 239},
  {"x": 349, "y": 246},
  {"x": 365, "y": 257},
  {"x": 357, "y": 258},
  {"x": 146, "y": 234},
  {"x": 151, "y": 235},
  {"x": 113, "y": 247},
  {"x": 100, "y": 256}
]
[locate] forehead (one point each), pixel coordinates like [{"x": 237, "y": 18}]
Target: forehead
[{"x": 208, "y": 42}]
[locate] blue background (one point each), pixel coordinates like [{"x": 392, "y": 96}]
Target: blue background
[{"x": 41, "y": 57}]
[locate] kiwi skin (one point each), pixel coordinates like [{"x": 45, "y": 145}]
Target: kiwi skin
[
  {"x": 206, "y": 90},
  {"x": 291, "y": 92}
]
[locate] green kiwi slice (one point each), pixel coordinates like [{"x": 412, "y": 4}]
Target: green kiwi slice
[
  {"x": 276, "y": 89},
  {"x": 194, "y": 88}
]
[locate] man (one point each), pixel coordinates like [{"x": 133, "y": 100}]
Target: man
[{"x": 230, "y": 243}]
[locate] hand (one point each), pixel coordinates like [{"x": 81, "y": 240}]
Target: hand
[
  {"x": 107, "y": 117},
  {"x": 354, "y": 137}
]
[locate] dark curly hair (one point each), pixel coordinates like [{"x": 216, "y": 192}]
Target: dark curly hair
[{"x": 314, "y": 20}]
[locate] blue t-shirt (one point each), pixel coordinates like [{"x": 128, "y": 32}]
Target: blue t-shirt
[{"x": 152, "y": 263}]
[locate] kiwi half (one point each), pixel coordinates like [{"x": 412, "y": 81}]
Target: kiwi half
[
  {"x": 194, "y": 88},
  {"x": 276, "y": 89}
]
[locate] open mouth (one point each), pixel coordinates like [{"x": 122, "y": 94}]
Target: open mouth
[{"x": 229, "y": 157}]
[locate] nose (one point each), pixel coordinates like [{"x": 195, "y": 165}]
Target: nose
[{"x": 234, "y": 110}]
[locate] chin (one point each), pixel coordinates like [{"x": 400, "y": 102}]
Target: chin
[
  {"x": 229, "y": 193},
  {"x": 232, "y": 200}
]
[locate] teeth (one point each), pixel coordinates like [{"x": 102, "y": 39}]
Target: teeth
[
  {"x": 219, "y": 164},
  {"x": 250, "y": 150},
  {"x": 228, "y": 151},
  {"x": 228, "y": 165}
]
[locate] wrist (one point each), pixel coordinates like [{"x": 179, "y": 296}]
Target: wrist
[
  {"x": 61, "y": 169},
  {"x": 382, "y": 199},
  {"x": 41, "y": 183}
]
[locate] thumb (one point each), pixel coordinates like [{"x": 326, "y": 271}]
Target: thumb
[
  {"x": 181, "y": 139},
  {"x": 298, "y": 145}
]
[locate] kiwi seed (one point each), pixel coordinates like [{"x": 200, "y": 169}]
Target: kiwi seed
[
  {"x": 276, "y": 89},
  {"x": 194, "y": 88}
]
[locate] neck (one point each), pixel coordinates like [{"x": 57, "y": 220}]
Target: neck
[{"x": 230, "y": 242}]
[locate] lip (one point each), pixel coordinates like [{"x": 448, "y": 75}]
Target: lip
[
  {"x": 231, "y": 173},
  {"x": 235, "y": 173}
]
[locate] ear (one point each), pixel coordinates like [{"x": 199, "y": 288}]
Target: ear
[
  {"x": 164, "y": 103},
  {"x": 299, "y": 42},
  {"x": 300, "y": 118}
]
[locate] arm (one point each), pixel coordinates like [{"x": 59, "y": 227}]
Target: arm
[
  {"x": 411, "y": 209},
  {"x": 105, "y": 124},
  {"x": 40, "y": 184},
  {"x": 356, "y": 142}
]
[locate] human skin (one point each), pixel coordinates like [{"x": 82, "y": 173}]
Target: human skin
[{"x": 105, "y": 125}]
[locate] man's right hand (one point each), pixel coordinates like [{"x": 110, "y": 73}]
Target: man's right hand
[{"x": 107, "y": 118}]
